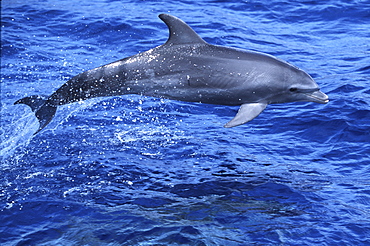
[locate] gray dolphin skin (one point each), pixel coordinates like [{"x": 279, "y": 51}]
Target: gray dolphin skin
[{"x": 186, "y": 68}]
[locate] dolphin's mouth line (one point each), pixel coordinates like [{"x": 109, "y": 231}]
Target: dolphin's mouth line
[{"x": 323, "y": 99}]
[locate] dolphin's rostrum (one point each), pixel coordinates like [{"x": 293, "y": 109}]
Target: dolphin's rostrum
[{"x": 187, "y": 68}]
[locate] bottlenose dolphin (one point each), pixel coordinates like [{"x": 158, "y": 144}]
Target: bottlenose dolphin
[{"x": 189, "y": 69}]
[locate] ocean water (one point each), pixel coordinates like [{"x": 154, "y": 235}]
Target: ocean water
[{"x": 136, "y": 170}]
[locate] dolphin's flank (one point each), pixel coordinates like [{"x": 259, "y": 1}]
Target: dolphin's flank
[{"x": 187, "y": 68}]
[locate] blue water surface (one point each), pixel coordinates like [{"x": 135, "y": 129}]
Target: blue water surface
[{"x": 136, "y": 170}]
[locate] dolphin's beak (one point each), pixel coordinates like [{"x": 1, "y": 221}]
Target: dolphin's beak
[{"x": 318, "y": 97}]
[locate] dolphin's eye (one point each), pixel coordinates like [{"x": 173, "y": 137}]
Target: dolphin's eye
[{"x": 293, "y": 89}]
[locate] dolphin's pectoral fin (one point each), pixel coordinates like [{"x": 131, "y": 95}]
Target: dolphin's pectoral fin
[{"x": 247, "y": 112}]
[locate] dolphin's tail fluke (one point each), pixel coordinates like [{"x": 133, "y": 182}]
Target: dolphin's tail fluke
[{"x": 44, "y": 111}]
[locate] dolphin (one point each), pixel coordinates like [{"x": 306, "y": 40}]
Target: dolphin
[{"x": 187, "y": 68}]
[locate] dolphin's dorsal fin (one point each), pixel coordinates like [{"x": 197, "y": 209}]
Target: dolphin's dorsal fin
[
  {"x": 247, "y": 112},
  {"x": 180, "y": 32}
]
